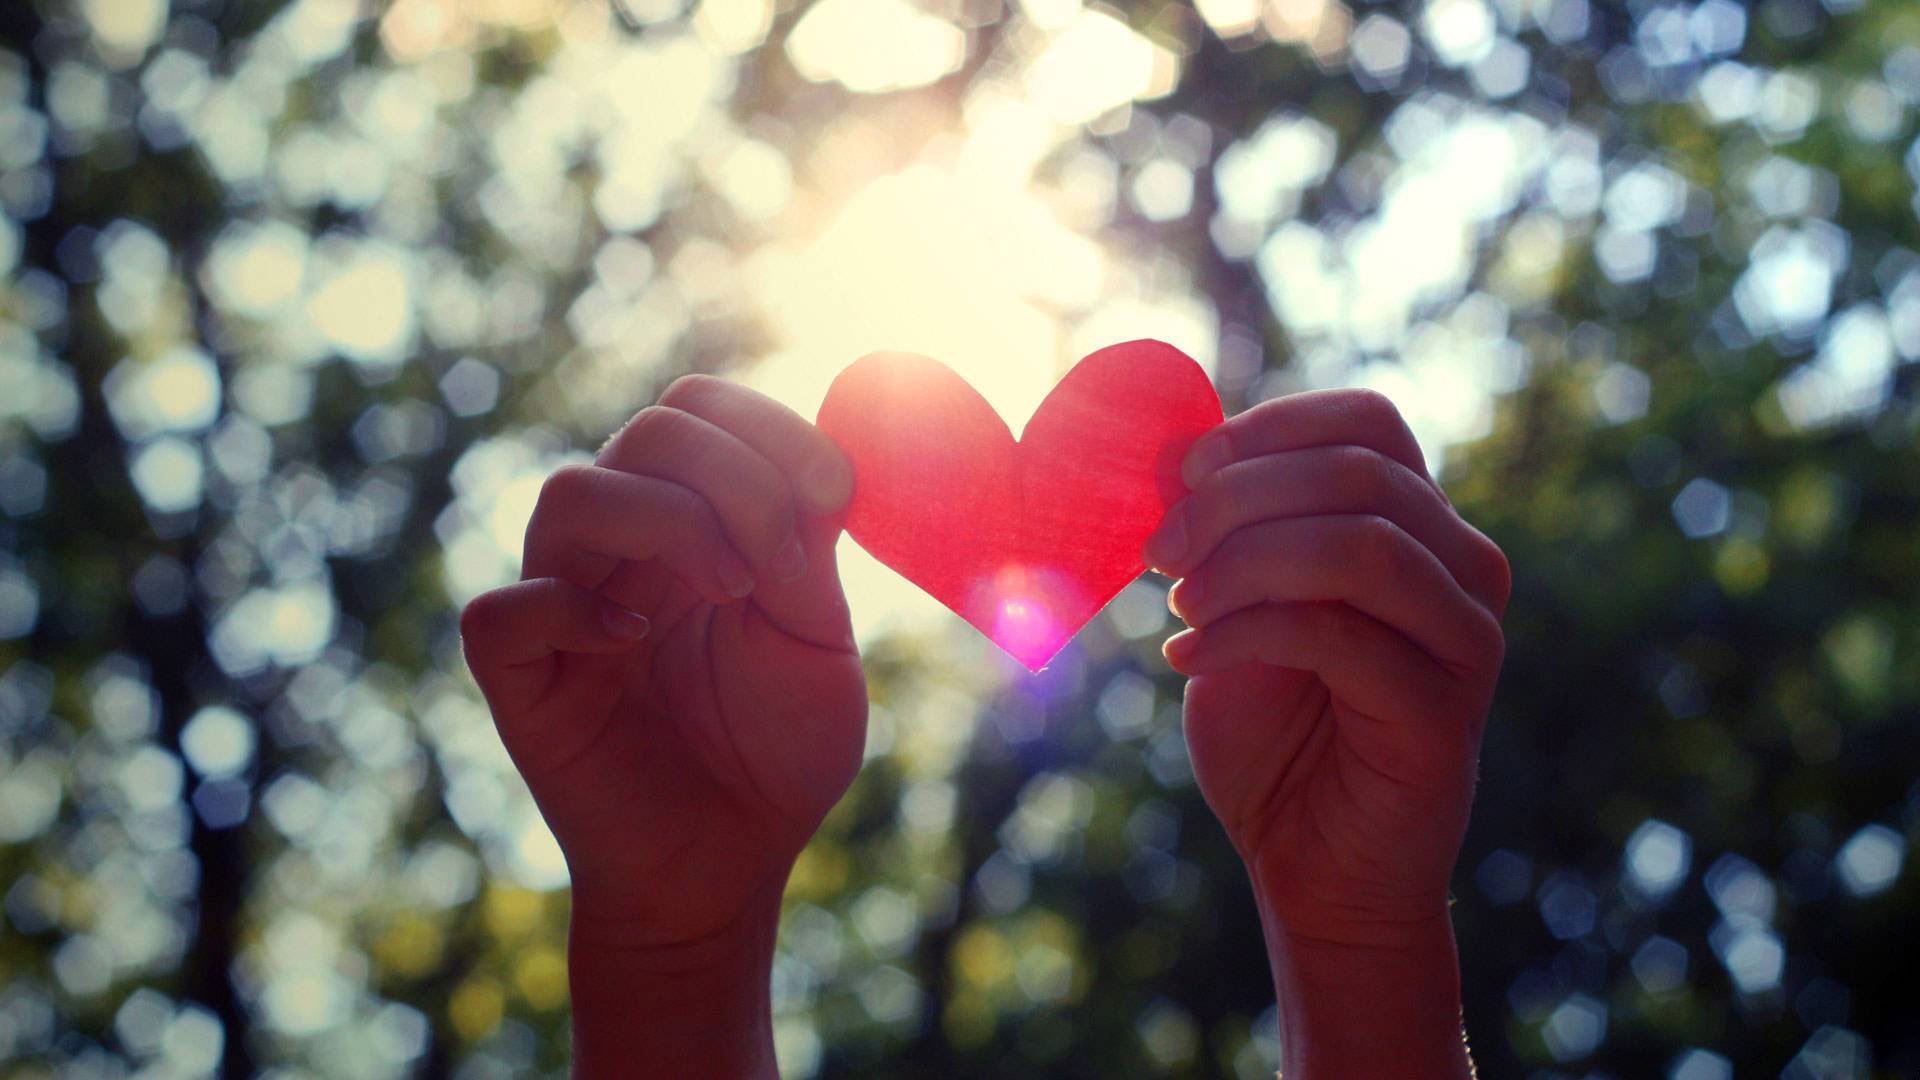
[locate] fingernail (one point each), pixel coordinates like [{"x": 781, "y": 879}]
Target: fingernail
[
  {"x": 1166, "y": 547},
  {"x": 790, "y": 561},
  {"x": 1185, "y": 596},
  {"x": 827, "y": 483},
  {"x": 1180, "y": 645},
  {"x": 734, "y": 576},
  {"x": 1208, "y": 456},
  {"x": 623, "y": 624}
]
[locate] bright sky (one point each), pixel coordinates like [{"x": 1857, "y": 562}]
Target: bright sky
[{"x": 958, "y": 257}]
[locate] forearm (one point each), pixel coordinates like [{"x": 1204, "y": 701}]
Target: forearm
[
  {"x": 1361, "y": 1011},
  {"x": 700, "y": 1008}
]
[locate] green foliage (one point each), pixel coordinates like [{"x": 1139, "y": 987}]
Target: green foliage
[{"x": 299, "y": 301}]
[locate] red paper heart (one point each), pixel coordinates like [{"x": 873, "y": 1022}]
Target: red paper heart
[{"x": 1026, "y": 540}]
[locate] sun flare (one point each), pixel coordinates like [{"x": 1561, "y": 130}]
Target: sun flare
[{"x": 982, "y": 253}]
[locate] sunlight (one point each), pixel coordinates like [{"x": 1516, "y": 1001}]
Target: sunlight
[
  {"x": 871, "y": 46},
  {"x": 984, "y": 253},
  {"x": 887, "y": 275},
  {"x": 1023, "y": 624},
  {"x": 1096, "y": 63}
]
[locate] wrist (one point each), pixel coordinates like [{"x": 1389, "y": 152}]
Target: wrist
[
  {"x": 650, "y": 1003},
  {"x": 1333, "y": 908},
  {"x": 1387, "y": 1007}
]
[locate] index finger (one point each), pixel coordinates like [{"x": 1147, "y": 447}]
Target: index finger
[
  {"x": 820, "y": 472},
  {"x": 1316, "y": 418}
]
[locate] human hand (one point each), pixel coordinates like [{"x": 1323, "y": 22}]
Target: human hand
[
  {"x": 675, "y": 676},
  {"x": 1344, "y": 646}
]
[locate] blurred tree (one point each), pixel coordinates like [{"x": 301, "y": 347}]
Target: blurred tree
[{"x": 299, "y": 301}]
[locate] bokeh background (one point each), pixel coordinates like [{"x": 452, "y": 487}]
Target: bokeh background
[{"x": 299, "y": 301}]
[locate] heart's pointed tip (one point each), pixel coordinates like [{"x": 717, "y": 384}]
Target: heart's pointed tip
[
  {"x": 1037, "y": 660},
  {"x": 1032, "y": 655}
]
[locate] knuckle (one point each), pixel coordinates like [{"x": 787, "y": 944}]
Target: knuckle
[
  {"x": 1371, "y": 406},
  {"x": 1216, "y": 495},
  {"x": 561, "y": 489},
  {"x": 565, "y": 482},
  {"x": 689, "y": 525},
  {"x": 550, "y": 591},
  {"x": 1267, "y": 413},
  {"x": 1373, "y": 537},
  {"x": 564, "y": 486},
  {"x": 669, "y": 500},
  {"x": 689, "y": 388},
  {"x": 655, "y": 426},
  {"x": 1370, "y": 474},
  {"x": 1383, "y": 546},
  {"x": 479, "y": 617},
  {"x": 1237, "y": 555}
]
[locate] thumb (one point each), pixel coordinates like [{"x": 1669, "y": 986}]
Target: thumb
[
  {"x": 1239, "y": 734},
  {"x": 812, "y": 606}
]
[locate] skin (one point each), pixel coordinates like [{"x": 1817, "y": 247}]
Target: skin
[
  {"x": 686, "y": 703},
  {"x": 1344, "y": 644}
]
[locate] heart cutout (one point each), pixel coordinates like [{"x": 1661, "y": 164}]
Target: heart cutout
[{"x": 1027, "y": 540}]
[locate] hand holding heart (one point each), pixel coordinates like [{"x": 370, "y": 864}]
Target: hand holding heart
[
  {"x": 1345, "y": 643},
  {"x": 676, "y": 678}
]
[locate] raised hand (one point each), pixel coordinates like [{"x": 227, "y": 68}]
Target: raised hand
[
  {"x": 1344, "y": 644},
  {"x": 676, "y": 678}
]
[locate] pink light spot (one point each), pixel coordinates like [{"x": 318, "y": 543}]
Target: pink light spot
[{"x": 1023, "y": 628}]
